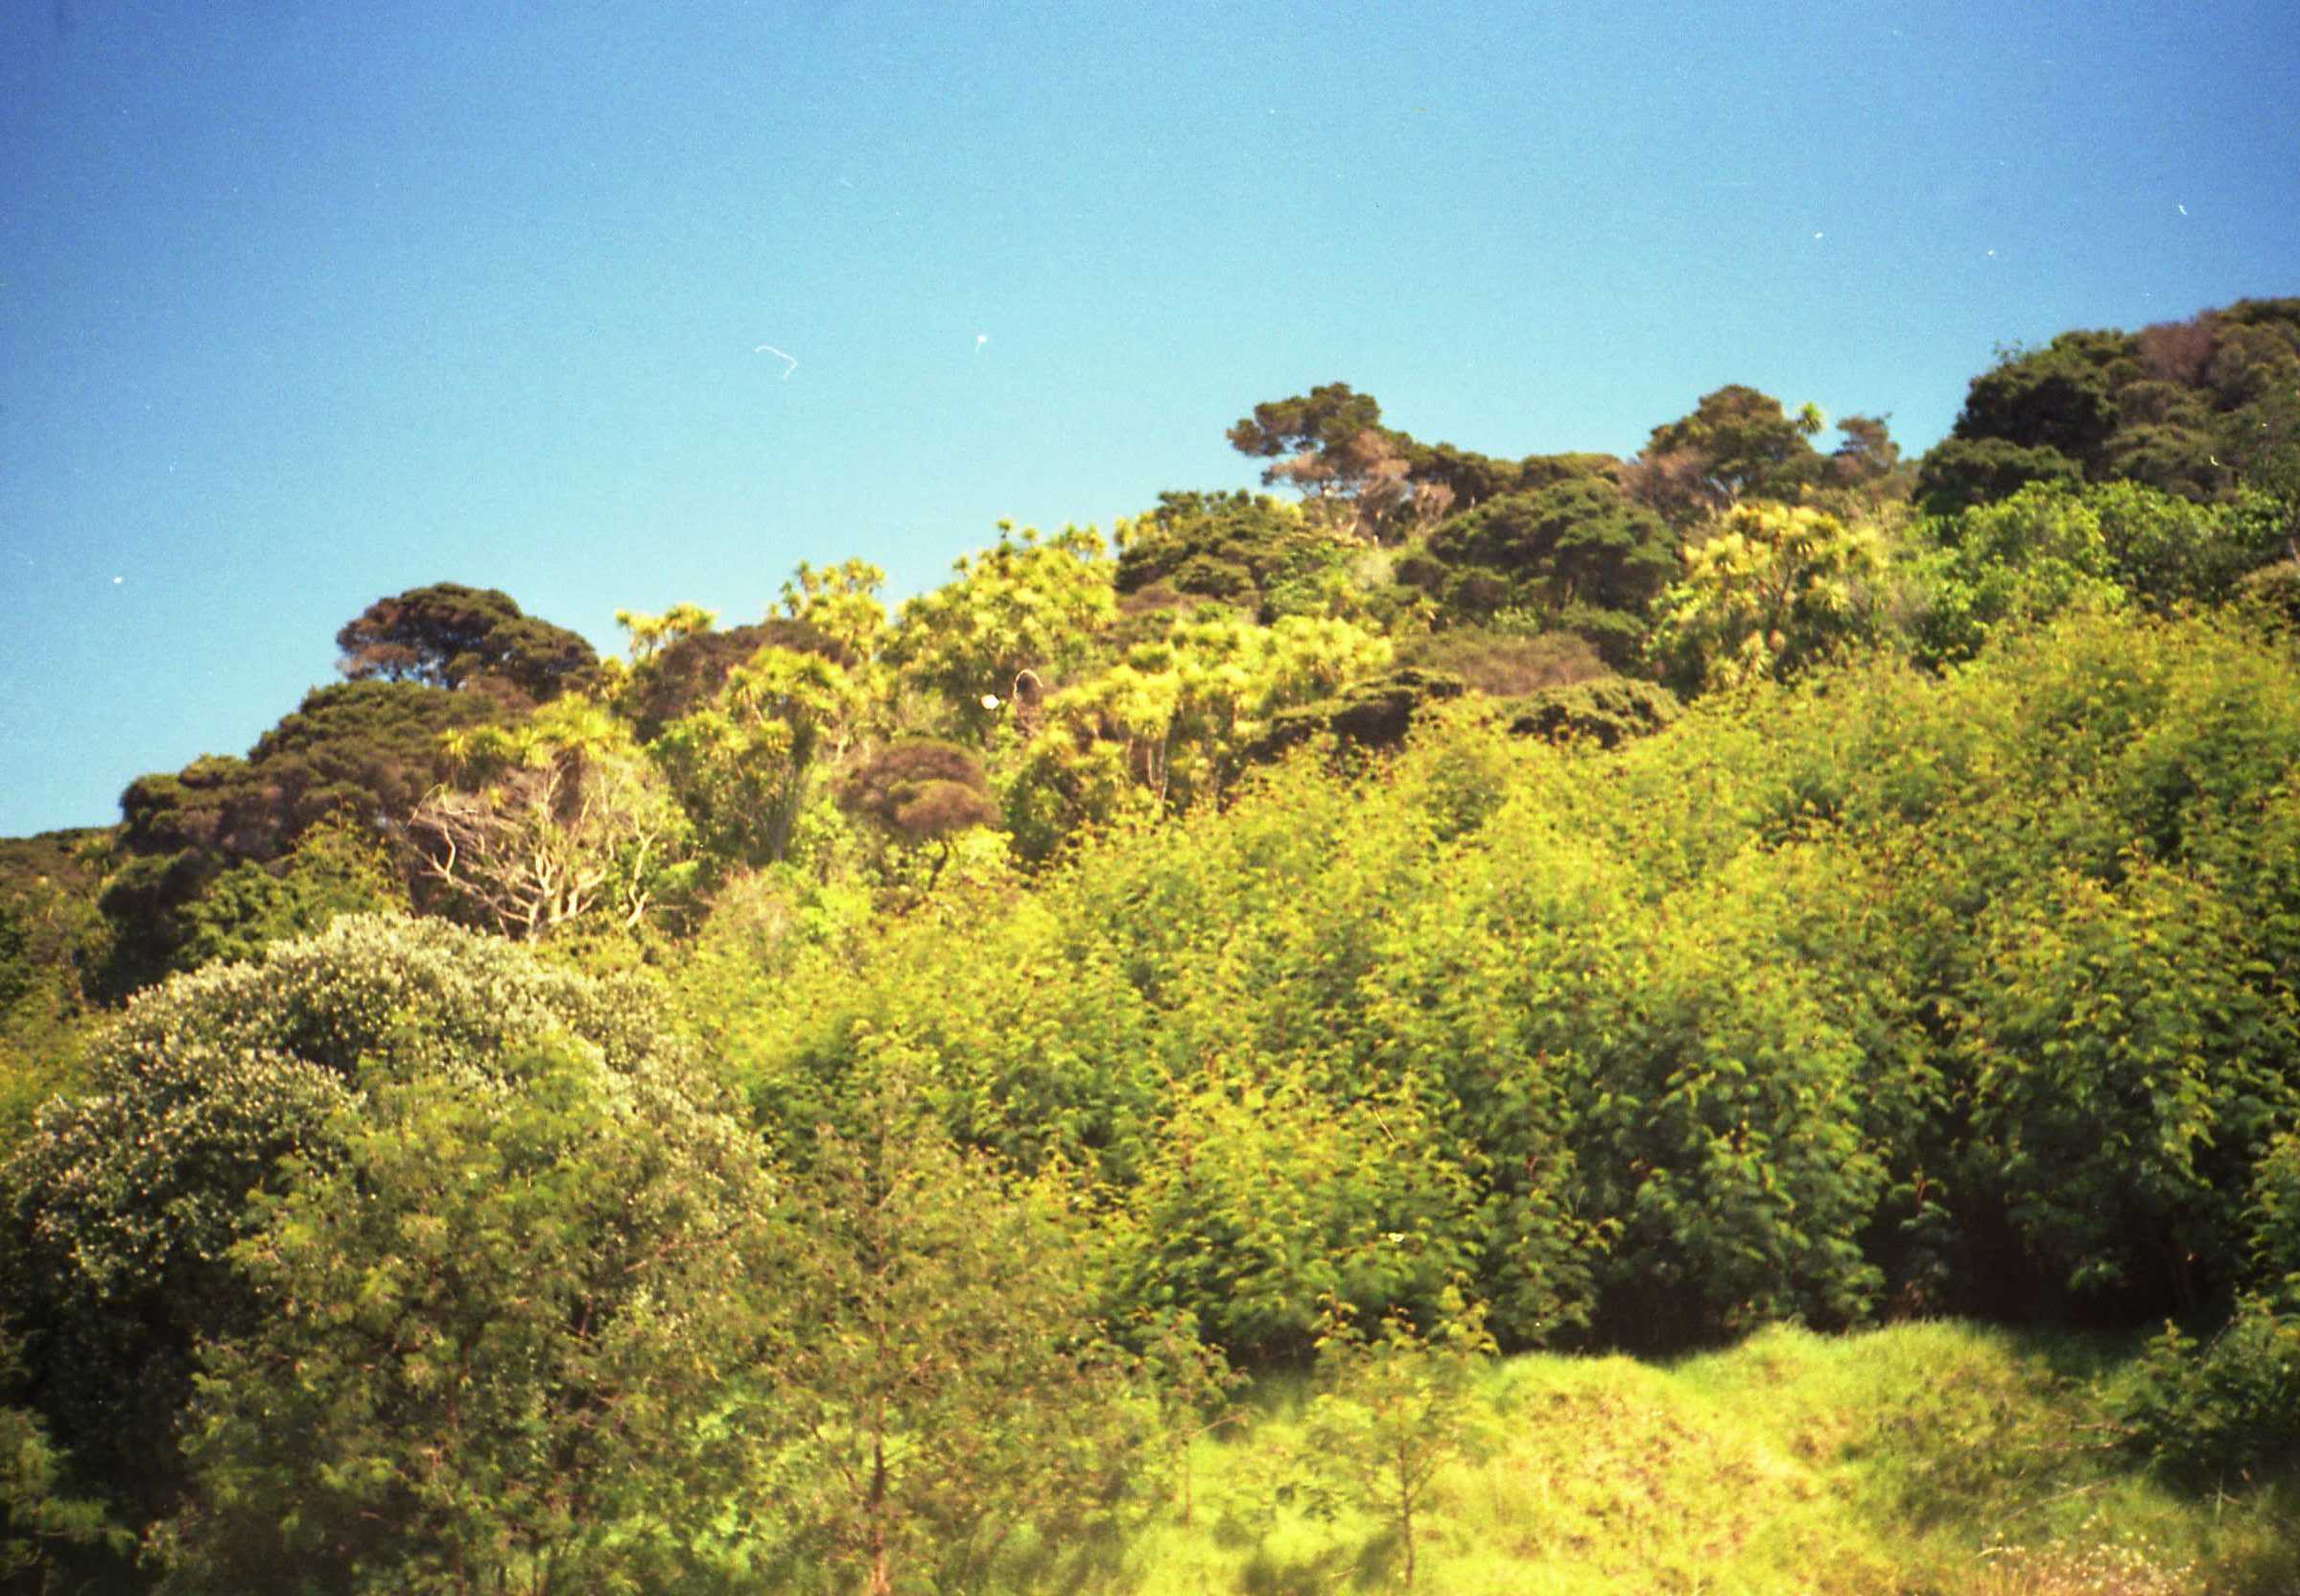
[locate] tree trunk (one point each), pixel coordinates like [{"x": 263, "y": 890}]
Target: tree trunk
[{"x": 1405, "y": 1512}]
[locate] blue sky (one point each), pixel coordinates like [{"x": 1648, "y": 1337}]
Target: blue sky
[{"x": 304, "y": 303}]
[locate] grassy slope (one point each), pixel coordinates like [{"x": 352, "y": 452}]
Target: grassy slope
[{"x": 1925, "y": 1457}]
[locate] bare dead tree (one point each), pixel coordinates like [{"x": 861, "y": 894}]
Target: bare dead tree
[{"x": 549, "y": 843}]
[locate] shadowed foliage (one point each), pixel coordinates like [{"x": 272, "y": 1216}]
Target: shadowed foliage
[
  {"x": 457, "y": 637},
  {"x": 2199, "y": 409},
  {"x": 921, "y": 791}
]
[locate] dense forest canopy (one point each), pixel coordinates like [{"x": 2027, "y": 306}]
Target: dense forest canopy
[{"x": 840, "y": 1098}]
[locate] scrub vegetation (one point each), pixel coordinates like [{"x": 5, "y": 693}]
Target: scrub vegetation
[{"x": 1722, "y": 1020}]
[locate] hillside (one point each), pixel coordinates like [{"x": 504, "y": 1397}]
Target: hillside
[{"x": 1680, "y": 1023}]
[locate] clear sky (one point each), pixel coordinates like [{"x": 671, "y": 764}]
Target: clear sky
[{"x": 303, "y": 302}]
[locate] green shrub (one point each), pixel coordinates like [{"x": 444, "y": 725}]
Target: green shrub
[
  {"x": 2225, "y": 1409},
  {"x": 1608, "y": 712},
  {"x": 122, "y": 1206}
]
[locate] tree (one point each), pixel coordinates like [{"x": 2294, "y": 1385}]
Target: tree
[
  {"x": 17, "y": 974},
  {"x": 365, "y": 750},
  {"x": 2224, "y": 1411},
  {"x": 334, "y": 869},
  {"x": 2026, "y": 557},
  {"x": 841, "y": 603},
  {"x": 2170, "y": 457},
  {"x": 919, "y": 792},
  {"x": 1324, "y": 422},
  {"x": 2125, "y": 1075},
  {"x": 455, "y": 637},
  {"x": 745, "y": 763},
  {"x": 653, "y": 635},
  {"x": 2018, "y": 561},
  {"x": 2254, "y": 373},
  {"x": 1367, "y": 486},
  {"x": 1373, "y": 712},
  {"x": 1770, "y": 590},
  {"x": 1264, "y": 1199},
  {"x": 51, "y": 937},
  {"x": 1737, "y": 444},
  {"x": 503, "y": 1336},
  {"x": 1235, "y": 548},
  {"x": 1721, "y": 1124},
  {"x": 122, "y": 1209},
  {"x": 2060, "y": 397},
  {"x": 1580, "y": 541},
  {"x": 679, "y": 664},
  {"x": 948, "y": 1385},
  {"x": 1396, "y": 1407},
  {"x": 553, "y": 821},
  {"x": 360, "y": 754},
  {"x": 40, "y": 1525},
  {"x": 1469, "y": 479},
  {"x": 1029, "y": 605},
  {"x": 2271, "y": 596},
  {"x": 1867, "y": 452},
  {"x": 1167, "y": 726},
  {"x": 1959, "y": 472},
  {"x": 2202, "y": 409},
  {"x": 1505, "y": 664},
  {"x": 1608, "y": 712},
  {"x": 1356, "y": 472}
]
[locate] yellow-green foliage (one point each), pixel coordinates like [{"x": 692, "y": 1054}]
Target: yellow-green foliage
[
  {"x": 1026, "y": 606},
  {"x": 1933, "y": 1458},
  {"x": 1167, "y": 726},
  {"x": 1770, "y": 590},
  {"x": 1963, "y": 992}
]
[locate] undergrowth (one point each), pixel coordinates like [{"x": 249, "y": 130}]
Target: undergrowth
[{"x": 1927, "y": 1459}]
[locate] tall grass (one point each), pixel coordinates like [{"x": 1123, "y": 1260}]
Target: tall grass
[{"x": 1927, "y": 1459}]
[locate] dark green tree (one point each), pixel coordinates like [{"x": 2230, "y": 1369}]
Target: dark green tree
[
  {"x": 367, "y": 751},
  {"x": 2201, "y": 408},
  {"x": 1323, "y": 422},
  {"x": 42, "y": 1530},
  {"x": 1579, "y": 542},
  {"x": 2061, "y": 397},
  {"x": 52, "y": 938},
  {"x": 2170, "y": 457},
  {"x": 1469, "y": 479},
  {"x": 1237, "y": 547},
  {"x": 452, "y": 636},
  {"x": 336, "y": 868},
  {"x": 1608, "y": 712},
  {"x": 362, "y": 754},
  {"x": 1867, "y": 454},
  {"x": 1357, "y": 474},
  {"x": 1958, "y": 472},
  {"x": 1737, "y": 444}
]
